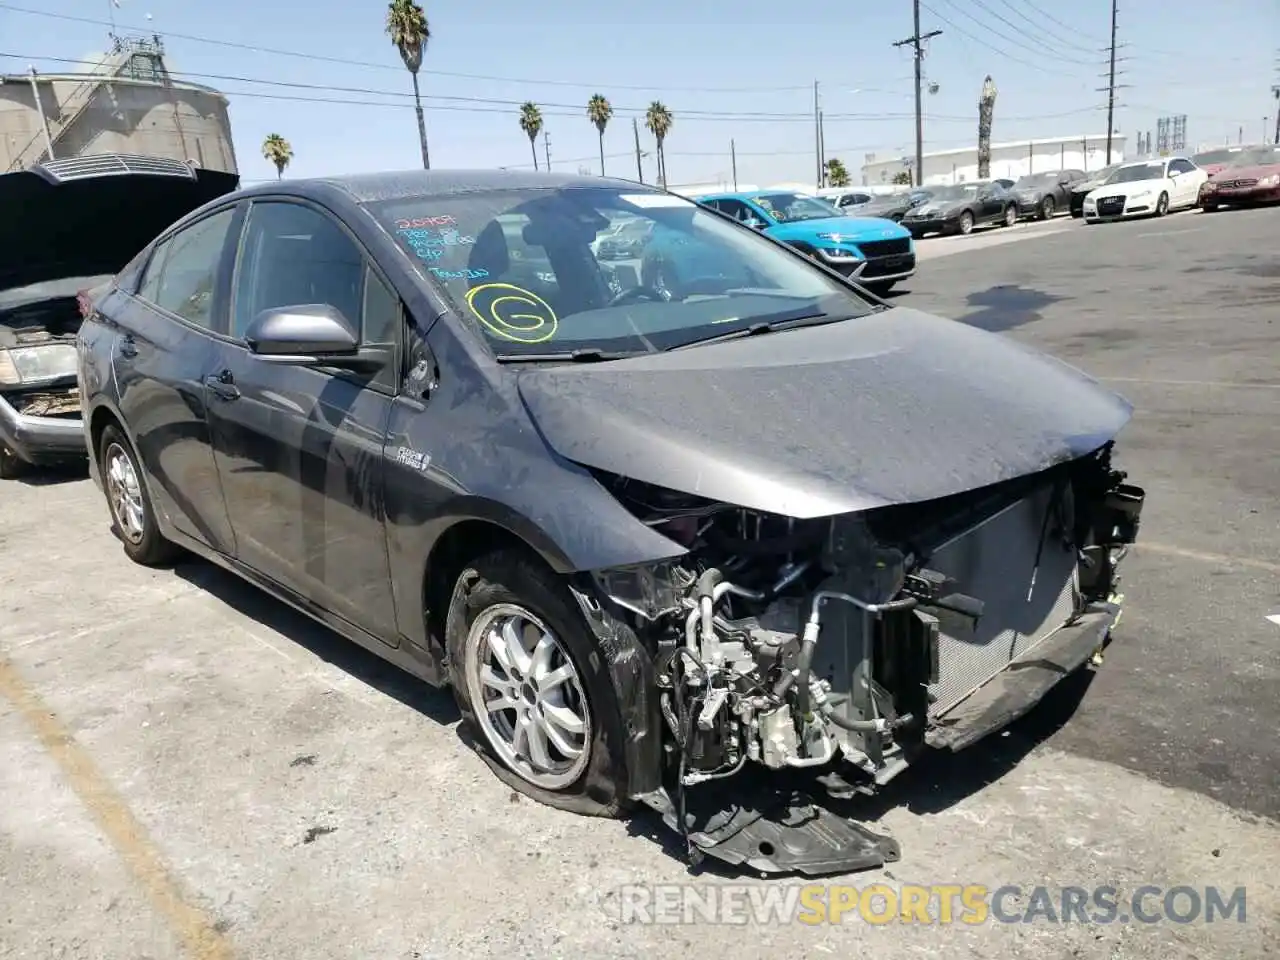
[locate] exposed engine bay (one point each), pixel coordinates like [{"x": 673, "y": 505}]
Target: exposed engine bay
[{"x": 844, "y": 647}]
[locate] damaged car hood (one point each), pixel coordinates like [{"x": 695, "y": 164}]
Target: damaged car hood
[{"x": 895, "y": 407}]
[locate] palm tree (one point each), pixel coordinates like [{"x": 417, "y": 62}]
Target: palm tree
[
  {"x": 837, "y": 174},
  {"x": 407, "y": 27},
  {"x": 531, "y": 124},
  {"x": 659, "y": 121},
  {"x": 276, "y": 149},
  {"x": 600, "y": 112},
  {"x": 986, "y": 107}
]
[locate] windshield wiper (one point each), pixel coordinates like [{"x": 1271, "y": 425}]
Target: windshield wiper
[
  {"x": 580, "y": 355},
  {"x": 767, "y": 326}
]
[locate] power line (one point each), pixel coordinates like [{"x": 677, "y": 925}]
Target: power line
[
  {"x": 1040, "y": 26},
  {"x": 503, "y": 106},
  {"x": 991, "y": 46},
  {"x": 1070, "y": 28},
  {"x": 320, "y": 58},
  {"x": 1017, "y": 41}
]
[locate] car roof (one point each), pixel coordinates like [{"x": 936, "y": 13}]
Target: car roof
[{"x": 406, "y": 184}]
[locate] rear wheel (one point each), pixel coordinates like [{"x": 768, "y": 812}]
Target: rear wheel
[
  {"x": 533, "y": 686},
  {"x": 1010, "y": 215},
  {"x": 133, "y": 518}
]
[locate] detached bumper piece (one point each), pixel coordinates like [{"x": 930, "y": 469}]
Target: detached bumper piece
[
  {"x": 773, "y": 828},
  {"x": 1024, "y": 682},
  {"x": 53, "y": 434}
]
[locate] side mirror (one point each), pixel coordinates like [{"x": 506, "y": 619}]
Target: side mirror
[
  {"x": 753, "y": 223},
  {"x": 308, "y": 333}
]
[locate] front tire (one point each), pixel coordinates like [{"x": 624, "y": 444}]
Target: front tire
[
  {"x": 966, "y": 223},
  {"x": 133, "y": 518},
  {"x": 1162, "y": 205},
  {"x": 533, "y": 687},
  {"x": 1209, "y": 207},
  {"x": 1046, "y": 208}
]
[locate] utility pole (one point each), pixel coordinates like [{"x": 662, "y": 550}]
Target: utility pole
[
  {"x": 1275, "y": 91},
  {"x": 546, "y": 147},
  {"x": 733, "y": 159},
  {"x": 635, "y": 131},
  {"x": 1111, "y": 82},
  {"x": 822, "y": 151},
  {"x": 817, "y": 135},
  {"x": 916, "y": 41}
]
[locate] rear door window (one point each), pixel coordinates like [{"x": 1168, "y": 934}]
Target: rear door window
[{"x": 185, "y": 270}]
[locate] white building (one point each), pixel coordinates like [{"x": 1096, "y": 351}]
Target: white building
[{"x": 1012, "y": 159}]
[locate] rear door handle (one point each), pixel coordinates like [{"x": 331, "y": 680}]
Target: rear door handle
[
  {"x": 223, "y": 385},
  {"x": 128, "y": 347}
]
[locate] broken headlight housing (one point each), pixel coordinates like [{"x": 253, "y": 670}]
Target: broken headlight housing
[{"x": 38, "y": 365}]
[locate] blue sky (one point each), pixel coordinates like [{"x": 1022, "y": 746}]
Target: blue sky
[{"x": 727, "y": 71}]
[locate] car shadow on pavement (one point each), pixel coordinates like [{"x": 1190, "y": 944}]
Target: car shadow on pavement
[
  {"x": 351, "y": 658},
  {"x": 1006, "y": 306},
  {"x": 53, "y": 476}
]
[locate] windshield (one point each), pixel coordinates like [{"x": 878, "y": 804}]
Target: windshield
[
  {"x": 521, "y": 267},
  {"x": 1139, "y": 171},
  {"x": 1256, "y": 157},
  {"x": 1214, "y": 156},
  {"x": 956, "y": 191},
  {"x": 1106, "y": 172},
  {"x": 790, "y": 207},
  {"x": 1037, "y": 180}
]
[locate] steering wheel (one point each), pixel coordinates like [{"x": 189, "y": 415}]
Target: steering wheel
[{"x": 641, "y": 292}]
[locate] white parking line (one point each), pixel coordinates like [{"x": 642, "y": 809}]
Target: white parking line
[
  {"x": 1274, "y": 618},
  {"x": 1193, "y": 383},
  {"x": 1170, "y": 233}
]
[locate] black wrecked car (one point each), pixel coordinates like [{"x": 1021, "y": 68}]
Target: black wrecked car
[
  {"x": 725, "y": 554},
  {"x": 69, "y": 225}
]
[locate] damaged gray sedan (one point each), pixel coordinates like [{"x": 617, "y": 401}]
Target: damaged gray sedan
[{"x": 737, "y": 554}]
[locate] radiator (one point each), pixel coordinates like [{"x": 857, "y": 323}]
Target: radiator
[{"x": 993, "y": 562}]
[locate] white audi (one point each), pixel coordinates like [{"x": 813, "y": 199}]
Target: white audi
[{"x": 1146, "y": 188}]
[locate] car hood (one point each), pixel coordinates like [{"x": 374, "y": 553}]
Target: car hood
[
  {"x": 849, "y": 229},
  {"x": 883, "y": 206},
  {"x": 1242, "y": 173},
  {"x": 91, "y": 215},
  {"x": 932, "y": 208},
  {"x": 1128, "y": 188},
  {"x": 895, "y": 407}
]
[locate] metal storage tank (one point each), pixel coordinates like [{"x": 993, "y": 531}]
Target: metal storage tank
[{"x": 123, "y": 101}]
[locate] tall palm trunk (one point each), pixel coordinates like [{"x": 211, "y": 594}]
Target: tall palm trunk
[
  {"x": 986, "y": 110},
  {"x": 602, "y": 153},
  {"x": 533, "y": 150},
  {"x": 422, "y": 124}
]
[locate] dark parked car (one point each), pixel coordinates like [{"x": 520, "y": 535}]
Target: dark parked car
[
  {"x": 895, "y": 206},
  {"x": 1041, "y": 195},
  {"x": 68, "y": 226},
  {"x": 961, "y": 207},
  {"x": 627, "y": 242},
  {"x": 647, "y": 540},
  {"x": 1085, "y": 187}
]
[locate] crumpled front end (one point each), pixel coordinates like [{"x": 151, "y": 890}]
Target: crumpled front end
[{"x": 824, "y": 655}]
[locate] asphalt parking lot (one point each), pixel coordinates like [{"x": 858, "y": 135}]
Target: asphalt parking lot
[{"x": 187, "y": 768}]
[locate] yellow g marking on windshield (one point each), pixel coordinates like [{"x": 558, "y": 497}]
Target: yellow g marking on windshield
[{"x": 513, "y": 313}]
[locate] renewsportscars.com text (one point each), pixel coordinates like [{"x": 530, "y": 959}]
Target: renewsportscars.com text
[{"x": 881, "y": 903}]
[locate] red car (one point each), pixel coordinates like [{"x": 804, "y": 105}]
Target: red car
[
  {"x": 1252, "y": 177},
  {"x": 1218, "y": 159}
]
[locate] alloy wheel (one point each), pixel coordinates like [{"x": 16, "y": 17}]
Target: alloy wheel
[
  {"x": 124, "y": 494},
  {"x": 528, "y": 696},
  {"x": 966, "y": 222}
]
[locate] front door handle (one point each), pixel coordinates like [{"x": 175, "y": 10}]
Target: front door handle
[{"x": 223, "y": 385}]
